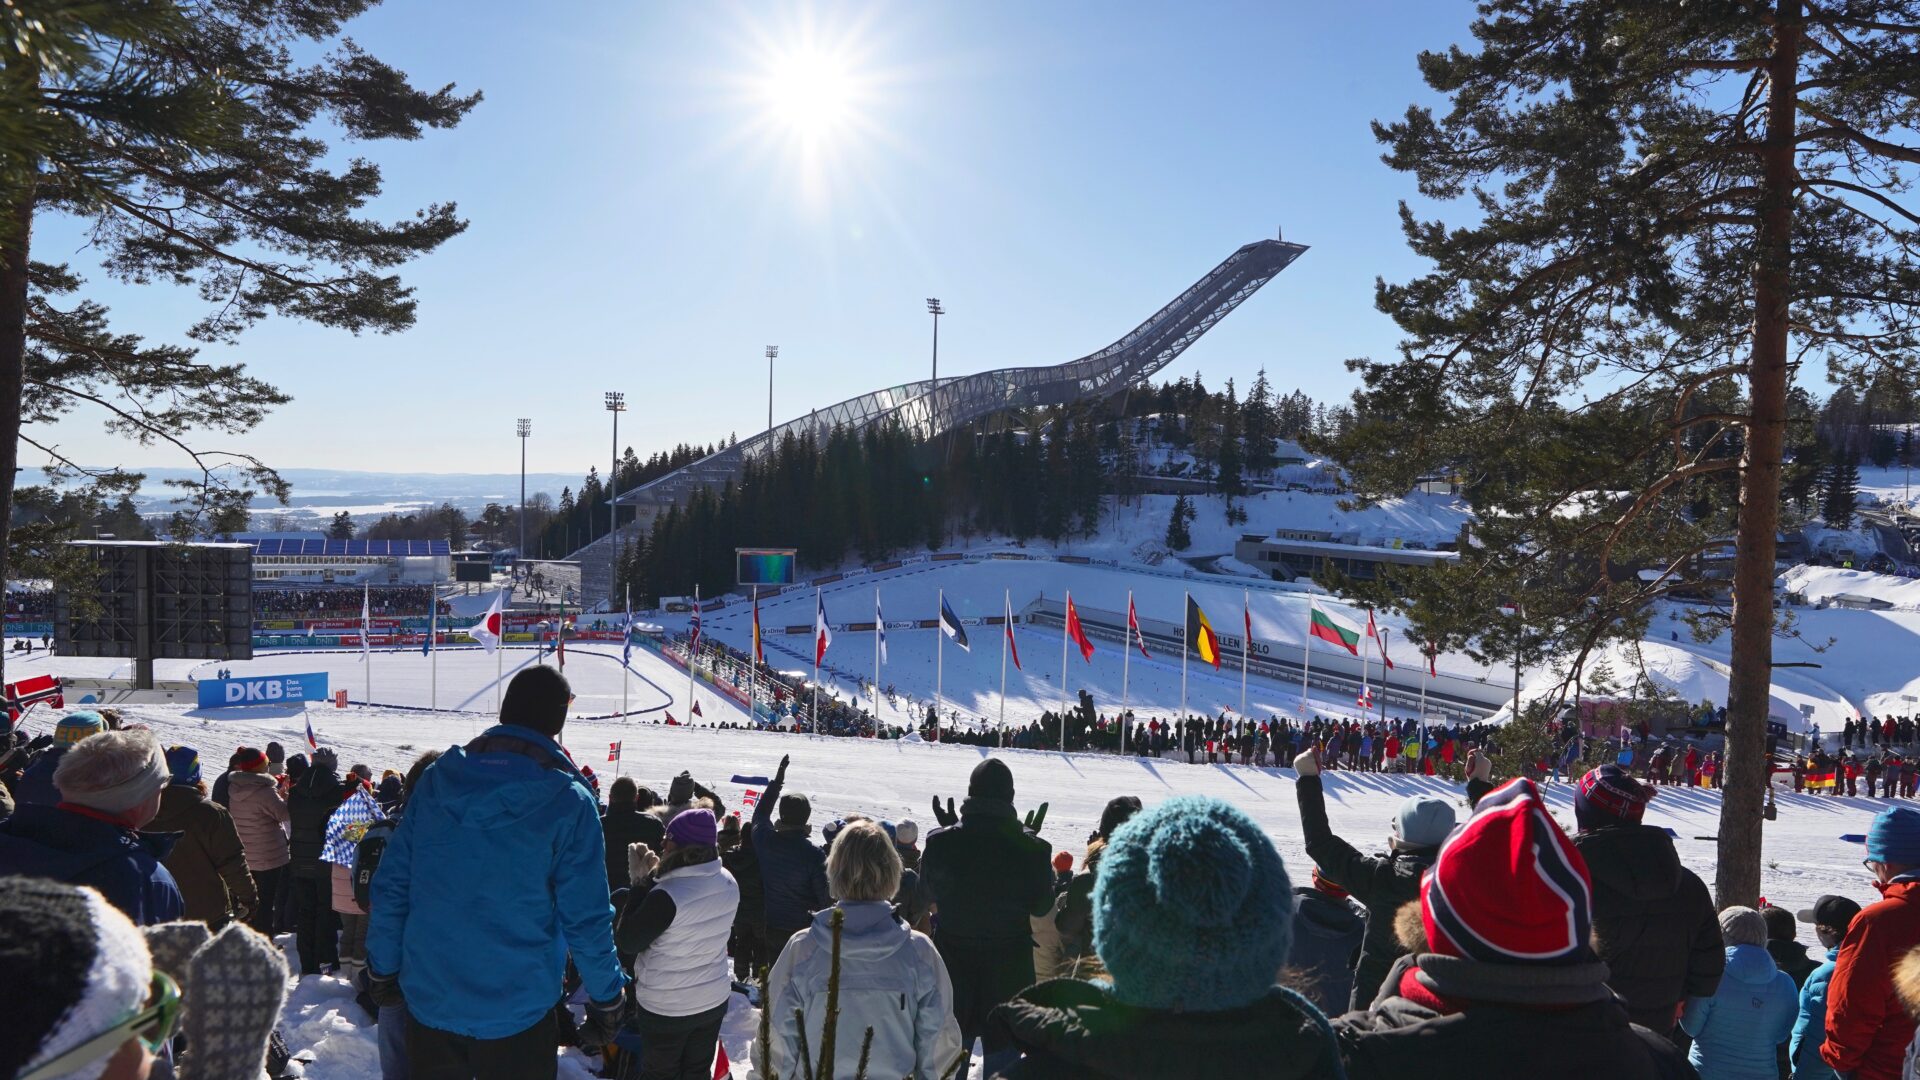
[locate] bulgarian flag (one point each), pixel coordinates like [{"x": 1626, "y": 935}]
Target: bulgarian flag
[{"x": 1327, "y": 626}]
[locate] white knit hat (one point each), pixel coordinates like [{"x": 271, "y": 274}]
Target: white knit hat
[{"x": 99, "y": 966}]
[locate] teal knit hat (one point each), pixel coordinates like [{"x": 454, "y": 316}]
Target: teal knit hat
[{"x": 1192, "y": 908}]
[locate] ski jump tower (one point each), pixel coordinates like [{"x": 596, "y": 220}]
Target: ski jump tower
[{"x": 928, "y": 410}]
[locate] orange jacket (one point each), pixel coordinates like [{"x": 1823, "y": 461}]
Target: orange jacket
[{"x": 1867, "y": 1029}]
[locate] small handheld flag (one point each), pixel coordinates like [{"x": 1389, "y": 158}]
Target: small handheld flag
[
  {"x": 1200, "y": 636},
  {"x": 950, "y": 626},
  {"x": 613, "y": 751},
  {"x": 1077, "y": 632},
  {"x": 312, "y": 743}
]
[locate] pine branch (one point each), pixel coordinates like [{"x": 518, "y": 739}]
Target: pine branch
[
  {"x": 866, "y": 1051},
  {"x": 800, "y": 1038},
  {"x": 831, "y": 1030}
]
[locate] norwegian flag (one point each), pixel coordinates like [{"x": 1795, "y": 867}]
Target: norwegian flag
[
  {"x": 1133, "y": 625},
  {"x": 751, "y": 799},
  {"x": 613, "y": 751}
]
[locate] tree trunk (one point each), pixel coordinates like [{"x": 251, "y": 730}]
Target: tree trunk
[
  {"x": 1737, "y": 880},
  {"x": 15, "y": 231}
]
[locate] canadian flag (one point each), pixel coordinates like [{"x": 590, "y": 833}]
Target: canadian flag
[{"x": 488, "y": 631}]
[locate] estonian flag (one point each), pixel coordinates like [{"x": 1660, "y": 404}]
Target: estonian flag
[
  {"x": 950, "y": 626},
  {"x": 1200, "y": 636}
]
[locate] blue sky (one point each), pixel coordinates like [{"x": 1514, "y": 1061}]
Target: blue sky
[{"x": 658, "y": 191}]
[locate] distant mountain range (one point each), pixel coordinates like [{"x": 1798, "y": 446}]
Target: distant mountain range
[{"x": 321, "y": 493}]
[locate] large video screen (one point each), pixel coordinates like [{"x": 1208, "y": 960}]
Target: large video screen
[{"x": 764, "y": 566}]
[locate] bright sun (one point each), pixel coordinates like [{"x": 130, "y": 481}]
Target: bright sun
[{"x": 810, "y": 93}]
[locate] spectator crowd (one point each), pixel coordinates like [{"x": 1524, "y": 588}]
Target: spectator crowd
[{"x": 489, "y": 908}]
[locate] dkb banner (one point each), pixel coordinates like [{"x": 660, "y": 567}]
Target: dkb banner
[{"x": 263, "y": 690}]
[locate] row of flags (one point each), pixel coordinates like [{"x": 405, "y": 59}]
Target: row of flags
[{"x": 1322, "y": 623}]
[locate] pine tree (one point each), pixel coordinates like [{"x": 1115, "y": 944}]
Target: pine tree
[
  {"x": 1841, "y": 491},
  {"x": 1664, "y": 197},
  {"x": 1259, "y": 426},
  {"x": 1179, "y": 534},
  {"x": 342, "y": 527},
  {"x": 189, "y": 139}
]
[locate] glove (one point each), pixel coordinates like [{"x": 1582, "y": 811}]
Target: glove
[
  {"x": 1307, "y": 763},
  {"x": 383, "y": 989},
  {"x": 945, "y": 817},
  {"x": 1035, "y": 818},
  {"x": 232, "y": 988},
  {"x": 641, "y": 861},
  {"x": 603, "y": 1023},
  {"x": 785, "y": 760},
  {"x": 1479, "y": 766}
]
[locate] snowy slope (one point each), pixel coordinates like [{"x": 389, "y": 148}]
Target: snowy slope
[
  {"x": 1824, "y": 582},
  {"x": 894, "y": 780}
]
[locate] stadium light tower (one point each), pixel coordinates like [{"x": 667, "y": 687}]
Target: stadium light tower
[
  {"x": 616, "y": 404},
  {"x": 772, "y": 351},
  {"x": 934, "y": 309},
  {"x": 523, "y": 427}
]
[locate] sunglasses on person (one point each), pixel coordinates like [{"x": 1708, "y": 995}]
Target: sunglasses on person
[{"x": 152, "y": 1025}]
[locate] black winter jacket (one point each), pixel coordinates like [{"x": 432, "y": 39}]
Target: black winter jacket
[
  {"x": 621, "y": 825},
  {"x": 988, "y": 875},
  {"x": 743, "y": 863},
  {"x": 1327, "y": 932},
  {"x": 793, "y": 873},
  {"x": 1515, "y": 1020},
  {"x": 1382, "y": 883},
  {"x": 309, "y": 804},
  {"x": 1653, "y": 921},
  {"x": 1068, "y": 1028}
]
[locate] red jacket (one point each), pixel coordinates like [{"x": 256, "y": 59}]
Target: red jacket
[{"x": 1867, "y": 1029}]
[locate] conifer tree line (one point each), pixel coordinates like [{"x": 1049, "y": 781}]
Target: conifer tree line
[{"x": 1044, "y": 474}]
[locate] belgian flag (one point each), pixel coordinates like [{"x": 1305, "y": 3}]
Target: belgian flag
[{"x": 1200, "y": 636}]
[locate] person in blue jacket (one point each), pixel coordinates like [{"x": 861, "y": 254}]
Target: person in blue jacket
[
  {"x": 793, "y": 872},
  {"x": 496, "y": 874},
  {"x": 1830, "y": 916},
  {"x": 1737, "y": 1030},
  {"x": 109, "y": 789}
]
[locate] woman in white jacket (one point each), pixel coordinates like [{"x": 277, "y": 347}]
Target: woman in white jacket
[
  {"x": 891, "y": 978},
  {"x": 675, "y": 923}
]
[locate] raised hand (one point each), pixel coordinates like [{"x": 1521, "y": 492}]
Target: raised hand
[
  {"x": 1307, "y": 763},
  {"x": 1036, "y": 818},
  {"x": 944, "y": 817}
]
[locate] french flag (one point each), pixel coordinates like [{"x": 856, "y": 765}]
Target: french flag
[{"x": 822, "y": 633}]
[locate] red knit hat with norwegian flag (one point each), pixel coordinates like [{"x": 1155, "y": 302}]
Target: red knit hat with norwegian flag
[{"x": 1509, "y": 887}]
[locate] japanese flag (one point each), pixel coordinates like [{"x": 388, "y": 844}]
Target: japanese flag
[{"x": 488, "y": 631}]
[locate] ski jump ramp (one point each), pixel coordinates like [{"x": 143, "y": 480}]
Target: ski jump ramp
[{"x": 928, "y": 410}]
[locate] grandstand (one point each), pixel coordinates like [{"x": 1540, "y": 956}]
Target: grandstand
[
  {"x": 928, "y": 410},
  {"x": 350, "y": 562}
]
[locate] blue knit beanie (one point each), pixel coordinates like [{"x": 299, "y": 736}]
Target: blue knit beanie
[
  {"x": 1894, "y": 836},
  {"x": 1192, "y": 908}
]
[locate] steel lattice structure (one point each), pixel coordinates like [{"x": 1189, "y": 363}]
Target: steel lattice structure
[{"x": 927, "y": 410}]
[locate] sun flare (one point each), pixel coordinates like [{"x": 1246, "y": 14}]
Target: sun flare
[{"x": 809, "y": 93}]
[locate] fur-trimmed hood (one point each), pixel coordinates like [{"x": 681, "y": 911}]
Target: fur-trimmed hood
[{"x": 1906, "y": 981}]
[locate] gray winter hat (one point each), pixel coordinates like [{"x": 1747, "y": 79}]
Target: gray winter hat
[
  {"x": 1743, "y": 926},
  {"x": 1423, "y": 821}
]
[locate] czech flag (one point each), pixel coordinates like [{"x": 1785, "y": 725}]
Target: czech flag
[{"x": 1200, "y": 636}]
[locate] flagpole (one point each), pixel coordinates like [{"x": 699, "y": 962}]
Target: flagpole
[
  {"x": 939, "y": 654},
  {"x": 813, "y": 710},
  {"x": 1006, "y": 635},
  {"x": 1306, "y": 658},
  {"x": 1366, "y": 646},
  {"x": 1186, "y": 628},
  {"x": 877, "y": 631},
  {"x": 626, "y": 643},
  {"x": 1063, "y": 670},
  {"x": 433, "y": 646},
  {"x": 366, "y": 635},
  {"x": 1424, "y": 676},
  {"x": 753, "y": 662},
  {"x": 692, "y": 643},
  {"x": 1126, "y": 665},
  {"x": 1246, "y": 642},
  {"x": 1383, "y": 677}
]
